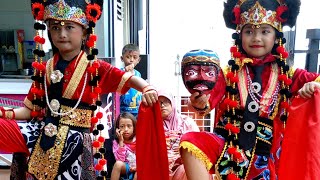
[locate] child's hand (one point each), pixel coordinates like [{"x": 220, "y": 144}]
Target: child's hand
[
  {"x": 150, "y": 97},
  {"x": 308, "y": 89},
  {"x": 119, "y": 134},
  {"x": 199, "y": 101},
  {"x": 129, "y": 67},
  {"x": 133, "y": 169}
]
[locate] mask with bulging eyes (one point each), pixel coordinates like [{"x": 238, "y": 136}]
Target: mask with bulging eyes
[{"x": 200, "y": 70}]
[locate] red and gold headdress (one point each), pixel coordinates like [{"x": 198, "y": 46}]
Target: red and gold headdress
[
  {"x": 259, "y": 15},
  {"x": 277, "y": 13}
]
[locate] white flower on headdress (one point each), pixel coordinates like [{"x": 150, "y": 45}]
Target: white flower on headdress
[{"x": 56, "y": 76}]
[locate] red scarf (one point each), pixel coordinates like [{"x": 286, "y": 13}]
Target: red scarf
[
  {"x": 300, "y": 154},
  {"x": 152, "y": 157},
  {"x": 11, "y": 139}
]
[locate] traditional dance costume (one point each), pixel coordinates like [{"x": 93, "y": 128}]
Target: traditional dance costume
[{"x": 251, "y": 117}]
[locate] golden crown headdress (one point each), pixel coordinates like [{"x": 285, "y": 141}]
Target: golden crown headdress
[{"x": 276, "y": 13}]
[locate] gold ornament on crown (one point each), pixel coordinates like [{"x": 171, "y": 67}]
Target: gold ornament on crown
[{"x": 258, "y": 15}]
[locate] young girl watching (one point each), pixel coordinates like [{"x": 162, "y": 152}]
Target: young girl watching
[{"x": 124, "y": 147}]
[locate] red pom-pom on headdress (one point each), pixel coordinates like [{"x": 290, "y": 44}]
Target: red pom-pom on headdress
[
  {"x": 280, "y": 10},
  {"x": 93, "y": 12},
  {"x": 236, "y": 11},
  {"x": 38, "y": 11}
]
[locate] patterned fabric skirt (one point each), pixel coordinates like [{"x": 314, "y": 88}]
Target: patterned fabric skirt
[{"x": 76, "y": 159}]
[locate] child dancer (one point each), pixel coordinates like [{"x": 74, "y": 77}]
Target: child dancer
[
  {"x": 64, "y": 95},
  {"x": 252, "y": 115}
]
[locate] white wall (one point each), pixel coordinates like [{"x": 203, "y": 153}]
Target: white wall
[
  {"x": 179, "y": 26},
  {"x": 118, "y": 38}
]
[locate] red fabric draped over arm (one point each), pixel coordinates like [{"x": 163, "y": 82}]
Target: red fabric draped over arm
[
  {"x": 11, "y": 139},
  {"x": 152, "y": 158},
  {"x": 300, "y": 155}
]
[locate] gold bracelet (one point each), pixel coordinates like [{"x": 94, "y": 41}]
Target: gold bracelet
[
  {"x": 7, "y": 113},
  {"x": 147, "y": 88}
]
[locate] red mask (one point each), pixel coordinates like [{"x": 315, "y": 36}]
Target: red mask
[
  {"x": 200, "y": 70},
  {"x": 200, "y": 77}
]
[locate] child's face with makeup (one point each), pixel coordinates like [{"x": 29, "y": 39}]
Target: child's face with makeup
[
  {"x": 67, "y": 36},
  {"x": 258, "y": 42}
]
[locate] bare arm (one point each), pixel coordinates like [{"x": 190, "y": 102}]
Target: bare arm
[
  {"x": 137, "y": 83},
  {"x": 22, "y": 113},
  {"x": 149, "y": 94}
]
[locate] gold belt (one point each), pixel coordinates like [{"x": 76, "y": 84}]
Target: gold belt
[{"x": 77, "y": 118}]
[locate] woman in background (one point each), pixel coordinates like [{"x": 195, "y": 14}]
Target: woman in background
[{"x": 175, "y": 125}]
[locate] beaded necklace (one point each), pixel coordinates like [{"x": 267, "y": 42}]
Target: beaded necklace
[
  {"x": 254, "y": 88},
  {"x": 53, "y": 108}
]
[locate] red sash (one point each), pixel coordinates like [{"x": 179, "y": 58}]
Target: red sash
[{"x": 300, "y": 155}]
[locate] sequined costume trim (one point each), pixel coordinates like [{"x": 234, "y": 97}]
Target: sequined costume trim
[
  {"x": 76, "y": 77},
  {"x": 49, "y": 70},
  {"x": 197, "y": 153},
  {"x": 29, "y": 104},
  {"x": 263, "y": 140},
  {"x": 217, "y": 174},
  {"x": 264, "y": 124},
  {"x": 45, "y": 164},
  {"x": 77, "y": 118},
  {"x": 317, "y": 79},
  {"x": 62, "y": 11},
  {"x": 251, "y": 160},
  {"x": 291, "y": 72},
  {"x": 266, "y": 99}
]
